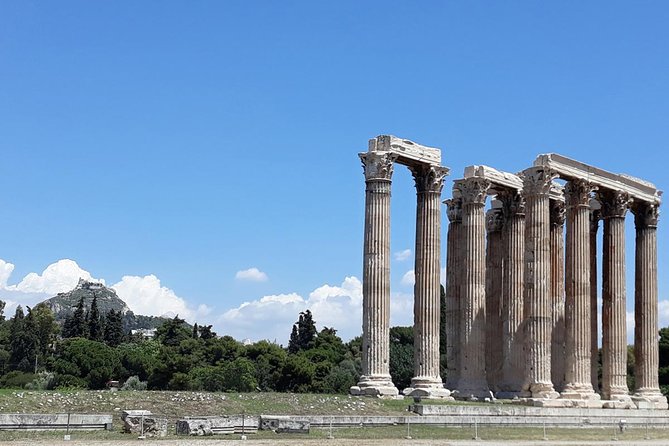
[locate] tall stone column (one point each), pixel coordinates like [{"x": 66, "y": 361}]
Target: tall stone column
[
  {"x": 595, "y": 216},
  {"x": 493, "y": 298},
  {"x": 578, "y": 385},
  {"x": 537, "y": 305},
  {"x": 427, "y": 310},
  {"x": 375, "y": 379},
  {"x": 513, "y": 356},
  {"x": 453, "y": 281},
  {"x": 614, "y": 315},
  {"x": 557, "y": 294},
  {"x": 646, "y": 392},
  {"x": 472, "y": 380}
]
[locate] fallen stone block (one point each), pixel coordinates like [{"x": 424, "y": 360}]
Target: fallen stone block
[
  {"x": 143, "y": 422},
  {"x": 284, "y": 424}
]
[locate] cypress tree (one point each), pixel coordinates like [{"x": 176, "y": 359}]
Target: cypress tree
[
  {"x": 22, "y": 341},
  {"x": 294, "y": 342},
  {"x": 113, "y": 328},
  {"x": 94, "y": 323}
]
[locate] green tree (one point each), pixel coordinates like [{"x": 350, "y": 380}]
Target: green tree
[
  {"x": 95, "y": 326},
  {"x": 92, "y": 361},
  {"x": 240, "y": 375},
  {"x": 303, "y": 333},
  {"x": 294, "y": 341},
  {"x": 401, "y": 356},
  {"x": 22, "y": 341},
  {"x": 269, "y": 360},
  {"x": 206, "y": 332},
  {"x": 113, "y": 328},
  {"x": 46, "y": 329},
  {"x": 173, "y": 331},
  {"x": 75, "y": 325}
]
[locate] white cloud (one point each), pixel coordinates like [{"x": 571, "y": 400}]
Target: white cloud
[
  {"x": 145, "y": 295},
  {"x": 409, "y": 278},
  {"x": 252, "y": 275},
  {"x": 339, "y": 307},
  {"x": 56, "y": 278},
  {"x": 401, "y": 256}
]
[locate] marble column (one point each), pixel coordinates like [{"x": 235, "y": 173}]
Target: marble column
[
  {"x": 614, "y": 310},
  {"x": 578, "y": 385},
  {"x": 557, "y": 293},
  {"x": 595, "y": 216},
  {"x": 646, "y": 356},
  {"x": 375, "y": 379},
  {"x": 493, "y": 297},
  {"x": 537, "y": 305},
  {"x": 472, "y": 381},
  {"x": 513, "y": 356},
  {"x": 426, "y": 381},
  {"x": 453, "y": 281}
]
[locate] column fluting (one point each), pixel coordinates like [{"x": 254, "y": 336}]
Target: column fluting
[
  {"x": 557, "y": 293},
  {"x": 578, "y": 385},
  {"x": 453, "y": 281},
  {"x": 537, "y": 305},
  {"x": 614, "y": 313},
  {"x": 646, "y": 352},
  {"x": 595, "y": 216},
  {"x": 426, "y": 381},
  {"x": 493, "y": 297},
  {"x": 513, "y": 356},
  {"x": 472, "y": 380},
  {"x": 375, "y": 379}
]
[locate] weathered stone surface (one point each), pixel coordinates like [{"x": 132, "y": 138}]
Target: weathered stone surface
[
  {"x": 407, "y": 152},
  {"x": 143, "y": 422},
  {"x": 197, "y": 427},
  {"x": 284, "y": 424},
  {"x": 227, "y": 424},
  {"x": 454, "y": 256},
  {"x": 61, "y": 421}
]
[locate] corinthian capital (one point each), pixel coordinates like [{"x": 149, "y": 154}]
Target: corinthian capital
[
  {"x": 513, "y": 203},
  {"x": 646, "y": 215},
  {"x": 378, "y": 165},
  {"x": 454, "y": 209},
  {"x": 537, "y": 181},
  {"x": 614, "y": 203},
  {"x": 473, "y": 190},
  {"x": 577, "y": 193},
  {"x": 429, "y": 178}
]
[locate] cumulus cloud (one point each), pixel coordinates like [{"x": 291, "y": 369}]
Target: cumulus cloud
[
  {"x": 252, "y": 275},
  {"x": 145, "y": 295},
  {"x": 56, "y": 278},
  {"x": 409, "y": 278},
  {"x": 401, "y": 256},
  {"x": 339, "y": 307}
]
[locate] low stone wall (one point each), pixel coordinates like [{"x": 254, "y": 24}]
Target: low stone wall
[
  {"x": 232, "y": 424},
  {"x": 61, "y": 421}
]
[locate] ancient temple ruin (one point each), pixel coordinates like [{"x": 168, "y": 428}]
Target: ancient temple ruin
[{"x": 521, "y": 287}]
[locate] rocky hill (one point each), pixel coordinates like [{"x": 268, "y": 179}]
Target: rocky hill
[{"x": 63, "y": 305}]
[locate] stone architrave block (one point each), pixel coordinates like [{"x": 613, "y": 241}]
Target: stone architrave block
[{"x": 143, "y": 422}]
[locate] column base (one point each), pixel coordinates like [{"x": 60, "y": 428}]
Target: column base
[
  {"x": 650, "y": 400},
  {"x": 618, "y": 401},
  {"x": 473, "y": 391},
  {"x": 380, "y": 386},
  {"x": 427, "y": 388},
  {"x": 539, "y": 391},
  {"x": 579, "y": 392}
]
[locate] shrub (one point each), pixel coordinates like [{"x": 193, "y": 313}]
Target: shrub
[
  {"x": 133, "y": 383},
  {"x": 16, "y": 379},
  {"x": 42, "y": 381}
]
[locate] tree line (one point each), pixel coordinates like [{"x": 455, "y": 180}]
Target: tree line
[{"x": 91, "y": 348}]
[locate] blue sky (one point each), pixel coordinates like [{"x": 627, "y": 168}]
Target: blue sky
[{"x": 178, "y": 143}]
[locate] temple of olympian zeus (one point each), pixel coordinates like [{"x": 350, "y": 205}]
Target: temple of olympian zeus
[{"x": 521, "y": 286}]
